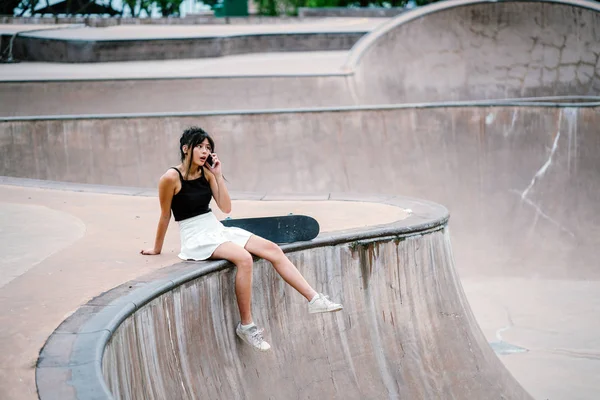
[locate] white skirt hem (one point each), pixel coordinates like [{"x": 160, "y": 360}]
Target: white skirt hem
[{"x": 202, "y": 234}]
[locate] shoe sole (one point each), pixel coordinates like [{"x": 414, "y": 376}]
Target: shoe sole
[
  {"x": 249, "y": 344},
  {"x": 325, "y": 311}
]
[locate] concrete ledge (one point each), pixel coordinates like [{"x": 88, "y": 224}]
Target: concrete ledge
[
  {"x": 27, "y": 48},
  {"x": 70, "y": 363},
  {"x": 547, "y": 101}
]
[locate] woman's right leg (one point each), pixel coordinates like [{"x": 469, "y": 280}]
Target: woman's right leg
[{"x": 243, "y": 276}]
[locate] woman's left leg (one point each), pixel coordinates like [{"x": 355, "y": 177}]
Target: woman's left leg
[{"x": 284, "y": 267}]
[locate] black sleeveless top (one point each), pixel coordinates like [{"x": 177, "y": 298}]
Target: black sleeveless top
[{"x": 192, "y": 199}]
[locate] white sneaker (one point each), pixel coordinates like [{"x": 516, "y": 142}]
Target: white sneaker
[
  {"x": 253, "y": 336},
  {"x": 321, "y": 304}
]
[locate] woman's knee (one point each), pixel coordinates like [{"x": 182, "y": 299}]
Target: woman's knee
[
  {"x": 274, "y": 252},
  {"x": 244, "y": 261}
]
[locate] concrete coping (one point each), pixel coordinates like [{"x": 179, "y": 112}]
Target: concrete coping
[
  {"x": 70, "y": 363},
  {"x": 177, "y": 78},
  {"x": 549, "y": 101},
  {"x": 36, "y": 35},
  {"x": 367, "y": 41}
]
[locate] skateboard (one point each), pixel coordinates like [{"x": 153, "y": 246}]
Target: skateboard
[{"x": 279, "y": 229}]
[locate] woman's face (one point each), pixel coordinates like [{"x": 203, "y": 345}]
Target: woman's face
[{"x": 201, "y": 152}]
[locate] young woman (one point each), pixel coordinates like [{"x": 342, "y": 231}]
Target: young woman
[{"x": 187, "y": 190}]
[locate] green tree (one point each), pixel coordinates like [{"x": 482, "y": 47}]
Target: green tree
[
  {"x": 18, "y": 7},
  {"x": 290, "y": 7},
  {"x": 136, "y": 7},
  {"x": 210, "y": 3},
  {"x": 169, "y": 7},
  {"x": 268, "y": 7},
  {"x": 146, "y": 6},
  {"x": 132, "y": 5},
  {"x": 7, "y": 7}
]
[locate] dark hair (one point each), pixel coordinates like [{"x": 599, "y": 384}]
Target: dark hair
[{"x": 192, "y": 137}]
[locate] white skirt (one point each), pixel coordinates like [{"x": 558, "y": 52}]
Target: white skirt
[{"x": 201, "y": 235}]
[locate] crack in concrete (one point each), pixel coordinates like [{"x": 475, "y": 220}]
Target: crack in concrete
[
  {"x": 539, "y": 174},
  {"x": 575, "y": 354},
  {"x": 512, "y": 123},
  {"x": 504, "y": 348},
  {"x": 510, "y": 325},
  {"x": 547, "y": 164},
  {"x": 546, "y": 216}
]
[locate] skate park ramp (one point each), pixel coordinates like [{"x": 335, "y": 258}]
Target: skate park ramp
[
  {"x": 179, "y": 68},
  {"x": 520, "y": 182},
  {"x": 520, "y": 177},
  {"x": 448, "y": 51},
  {"x": 405, "y": 331},
  {"x": 474, "y": 50},
  {"x": 241, "y": 82}
]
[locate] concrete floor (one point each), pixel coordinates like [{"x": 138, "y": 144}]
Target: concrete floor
[{"x": 278, "y": 64}]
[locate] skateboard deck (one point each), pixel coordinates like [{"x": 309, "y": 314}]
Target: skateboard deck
[{"x": 279, "y": 229}]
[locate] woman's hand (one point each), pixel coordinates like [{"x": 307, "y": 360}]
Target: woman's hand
[
  {"x": 217, "y": 185},
  {"x": 216, "y": 165},
  {"x": 149, "y": 252}
]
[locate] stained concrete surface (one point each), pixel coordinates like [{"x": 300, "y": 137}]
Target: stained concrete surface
[
  {"x": 32, "y": 233},
  {"x": 72, "y": 267},
  {"x": 254, "y": 81},
  {"x": 261, "y": 64},
  {"x": 406, "y": 331},
  {"x": 521, "y": 183},
  {"x": 481, "y": 51},
  {"x": 553, "y": 320}
]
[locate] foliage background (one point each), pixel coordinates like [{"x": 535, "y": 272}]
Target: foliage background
[{"x": 143, "y": 8}]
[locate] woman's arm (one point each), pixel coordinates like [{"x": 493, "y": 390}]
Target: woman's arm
[
  {"x": 217, "y": 185},
  {"x": 166, "y": 188}
]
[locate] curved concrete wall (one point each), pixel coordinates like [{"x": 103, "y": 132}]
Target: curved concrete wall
[
  {"x": 472, "y": 50},
  {"x": 406, "y": 332},
  {"x": 510, "y": 171},
  {"x": 510, "y": 167},
  {"x": 81, "y": 97}
]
